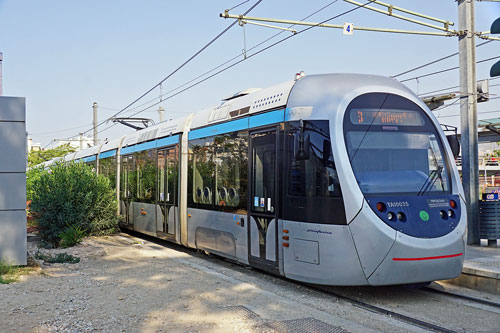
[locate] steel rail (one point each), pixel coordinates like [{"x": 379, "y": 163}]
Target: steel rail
[
  {"x": 380, "y": 310},
  {"x": 465, "y": 297}
]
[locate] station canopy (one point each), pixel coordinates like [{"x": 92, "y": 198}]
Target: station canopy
[{"x": 489, "y": 130}]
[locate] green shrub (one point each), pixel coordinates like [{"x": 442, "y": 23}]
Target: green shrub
[
  {"x": 71, "y": 236},
  {"x": 60, "y": 258},
  {"x": 72, "y": 194},
  {"x": 32, "y": 176}
]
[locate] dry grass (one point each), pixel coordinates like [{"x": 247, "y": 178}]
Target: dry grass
[{"x": 11, "y": 273}]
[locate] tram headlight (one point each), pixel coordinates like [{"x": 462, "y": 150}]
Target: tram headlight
[
  {"x": 451, "y": 213},
  {"x": 443, "y": 214},
  {"x": 391, "y": 216},
  {"x": 401, "y": 217}
]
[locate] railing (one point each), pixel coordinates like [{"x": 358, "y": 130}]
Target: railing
[{"x": 483, "y": 161}]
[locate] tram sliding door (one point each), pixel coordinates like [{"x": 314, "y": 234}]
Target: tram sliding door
[
  {"x": 263, "y": 224},
  {"x": 127, "y": 165},
  {"x": 167, "y": 216}
]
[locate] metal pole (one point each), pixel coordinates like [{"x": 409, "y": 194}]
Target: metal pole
[
  {"x": 94, "y": 106},
  {"x": 161, "y": 112},
  {"x": 81, "y": 141},
  {"x": 468, "y": 116},
  {"x": 1, "y": 60}
]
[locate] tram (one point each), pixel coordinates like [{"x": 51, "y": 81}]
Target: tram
[{"x": 333, "y": 179}]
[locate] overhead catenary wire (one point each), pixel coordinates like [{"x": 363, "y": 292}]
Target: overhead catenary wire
[
  {"x": 60, "y": 131},
  {"x": 229, "y": 60},
  {"x": 321, "y": 23},
  {"x": 434, "y": 61},
  {"x": 176, "y": 70},
  {"x": 455, "y": 87},
  {"x": 457, "y": 115},
  {"x": 71, "y": 128},
  {"x": 250, "y": 56},
  {"x": 446, "y": 70}
]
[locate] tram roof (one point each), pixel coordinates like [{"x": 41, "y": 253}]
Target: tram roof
[
  {"x": 255, "y": 101},
  {"x": 163, "y": 129}
]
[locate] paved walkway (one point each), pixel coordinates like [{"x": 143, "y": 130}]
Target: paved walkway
[{"x": 481, "y": 269}]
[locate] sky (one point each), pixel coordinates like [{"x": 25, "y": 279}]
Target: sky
[{"x": 64, "y": 55}]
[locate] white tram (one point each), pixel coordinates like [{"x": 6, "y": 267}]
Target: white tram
[{"x": 335, "y": 179}]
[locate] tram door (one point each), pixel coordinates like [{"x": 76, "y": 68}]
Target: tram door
[
  {"x": 262, "y": 219},
  {"x": 167, "y": 192},
  {"x": 127, "y": 165}
]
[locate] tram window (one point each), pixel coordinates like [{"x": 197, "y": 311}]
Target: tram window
[
  {"x": 125, "y": 176},
  {"x": 312, "y": 186},
  {"x": 312, "y": 170},
  {"x": 107, "y": 168},
  {"x": 145, "y": 176},
  {"x": 202, "y": 172},
  {"x": 168, "y": 175},
  {"x": 231, "y": 164},
  {"x": 217, "y": 177}
]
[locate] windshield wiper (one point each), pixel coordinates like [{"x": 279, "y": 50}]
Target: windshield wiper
[{"x": 431, "y": 180}]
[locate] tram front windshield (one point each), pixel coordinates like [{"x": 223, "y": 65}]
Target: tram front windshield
[{"x": 393, "y": 147}]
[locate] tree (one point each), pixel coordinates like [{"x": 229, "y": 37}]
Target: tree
[{"x": 37, "y": 157}]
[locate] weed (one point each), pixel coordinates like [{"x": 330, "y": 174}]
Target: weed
[
  {"x": 71, "y": 236},
  {"x": 10, "y": 273},
  {"x": 58, "y": 259}
]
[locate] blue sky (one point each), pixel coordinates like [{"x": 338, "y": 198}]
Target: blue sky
[{"x": 64, "y": 55}]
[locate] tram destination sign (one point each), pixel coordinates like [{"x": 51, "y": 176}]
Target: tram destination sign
[{"x": 386, "y": 117}]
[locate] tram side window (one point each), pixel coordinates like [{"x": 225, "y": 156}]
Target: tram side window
[
  {"x": 312, "y": 171},
  {"x": 145, "y": 176},
  {"x": 218, "y": 172},
  {"x": 202, "y": 172},
  {"x": 231, "y": 165},
  {"x": 107, "y": 167},
  {"x": 313, "y": 187},
  {"x": 125, "y": 175}
]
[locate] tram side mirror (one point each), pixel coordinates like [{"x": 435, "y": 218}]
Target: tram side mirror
[
  {"x": 454, "y": 145},
  {"x": 326, "y": 151},
  {"x": 304, "y": 148},
  {"x": 304, "y": 144}
]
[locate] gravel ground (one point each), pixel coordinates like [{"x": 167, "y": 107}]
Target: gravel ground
[{"x": 126, "y": 284}]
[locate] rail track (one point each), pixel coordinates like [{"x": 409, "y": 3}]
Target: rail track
[
  {"x": 380, "y": 310},
  {"x": 355, "y": 301},
  {"x": 464, "y": 297}
]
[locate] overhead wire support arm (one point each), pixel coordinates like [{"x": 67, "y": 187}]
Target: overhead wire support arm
[
  {"x": 334, "y": 26},
  {"x": 484, "y": 35},
  {"x": 268, "y": 26},
  {"x": 391, "y": 8},
  {"x": 389, "y": 12}
]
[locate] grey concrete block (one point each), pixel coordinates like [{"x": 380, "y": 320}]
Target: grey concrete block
[
  {"x": 12, "y": 108},
  {"x": 12, "y": 147},
  {"x": 13, "y": 237},
  {"x": 12, "y": 191}
]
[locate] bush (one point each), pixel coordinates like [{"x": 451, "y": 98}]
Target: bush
[
  {"x": 32, "y": 176},
  {"x": 72, "y": 194}
]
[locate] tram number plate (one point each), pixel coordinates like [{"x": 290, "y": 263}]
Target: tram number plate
[{"x": 397, "y": 204}]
